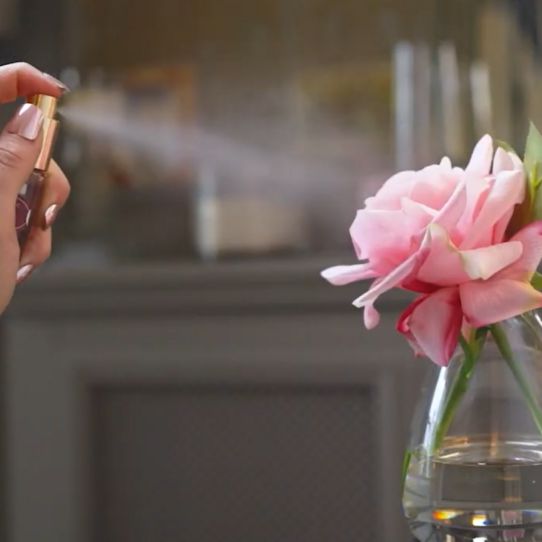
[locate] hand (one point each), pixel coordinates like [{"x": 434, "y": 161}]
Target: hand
[{"x": 20, "y": 144}]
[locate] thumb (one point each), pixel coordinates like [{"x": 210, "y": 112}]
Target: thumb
[{"x": 20, "y": 145}]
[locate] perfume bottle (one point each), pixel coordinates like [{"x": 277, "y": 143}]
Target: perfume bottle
[{"x": 30, "y": 194}]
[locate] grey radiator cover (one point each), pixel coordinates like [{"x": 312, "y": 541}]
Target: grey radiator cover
[{"x": 126, "y": 387}]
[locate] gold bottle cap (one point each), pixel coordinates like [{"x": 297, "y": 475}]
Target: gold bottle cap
[{"x": 48, "y": 106}]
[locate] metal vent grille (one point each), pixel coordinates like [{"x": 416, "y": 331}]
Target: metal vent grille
[{"x": 258, "y": 465}]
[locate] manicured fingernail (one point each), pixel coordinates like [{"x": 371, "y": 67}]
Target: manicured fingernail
[
  {"x": 57, "y": 82},
  {"x": 26, "y": 122},
  {"x": 23, "y": 273},
  {"x": 50, "y": 215}
]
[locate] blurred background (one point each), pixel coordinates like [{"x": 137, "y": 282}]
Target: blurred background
[{"x": 178, "y": 372}]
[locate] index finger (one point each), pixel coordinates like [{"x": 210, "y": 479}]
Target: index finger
[{"x": 21, "y": 80}]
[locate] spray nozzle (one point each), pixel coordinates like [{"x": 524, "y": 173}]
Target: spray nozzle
[{"x": 48, "y": 106}]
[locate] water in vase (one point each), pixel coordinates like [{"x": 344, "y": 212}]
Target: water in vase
[{"x": 476, "y": 489}]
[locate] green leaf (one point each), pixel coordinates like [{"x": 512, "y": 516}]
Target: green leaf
[
  {"x": 531, "y": 207},
  {"x": 536, "y": 281},
  {"x": 406, "y": 464},
  {"x": 533, "y": 153},
  {"x": 537, "y": 203},
  {"x": 506, "y": 146},
  {"x": 523, "y": 212}
]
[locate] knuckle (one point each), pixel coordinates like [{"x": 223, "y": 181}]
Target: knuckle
[
  {"x": 58, "y": 187},
  {"x": 10, "y": 156},
  {"x": 43, "y": 252},
  {"x": 67, "y": 191},
  {"x": 64, "y": 189}
]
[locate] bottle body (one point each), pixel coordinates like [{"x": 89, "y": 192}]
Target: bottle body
[
  {"x": 27, "y": 202},
  {"x": 29, "y": 197}
]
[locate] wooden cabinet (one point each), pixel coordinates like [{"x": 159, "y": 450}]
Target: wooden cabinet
[{"x": 232, "y": 402}]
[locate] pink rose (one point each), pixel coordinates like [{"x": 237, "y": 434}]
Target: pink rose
[{"x": 441, "y": 231}]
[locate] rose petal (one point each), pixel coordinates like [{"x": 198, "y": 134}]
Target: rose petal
[
  {"x": 389, "y": 196},
  {"x": 502, "y": 161},
  {"x": 435, "y": 324},
  {"x": 477, "y": 190},
  {"x": 371, "y": 316},
  {"x": 404, "y": 271},
  {"x": 356, "y": 234},
  {"x": 446, "y": 163},
  {"x": 412, "y": 284},
  {"x": 507, "y": 191},
  {"x": 523, "y": 269},
  {"x": 444, "y": 265},
  {"x": 483, "y": 263},
  {"x": 403, "y": 325},
  {"x": 482, "y": 156},
  {"x": 378, "y": 238},
  {"x": 505, "y": 160},
  {"x": 434, "y": 186},
  {"x": 346, "y": 274},
  {"x": 421, "y": 213},
  {"x": 501, "y": 226},
  {"x": 494, "y": 300},
  {"x": 450, "y": 214},
  {"x": 518, "y": 164}
]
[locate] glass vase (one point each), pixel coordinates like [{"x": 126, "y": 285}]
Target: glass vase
[{"x": 473, "y": 469}]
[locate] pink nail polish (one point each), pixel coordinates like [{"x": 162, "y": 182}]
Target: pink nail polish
[
  {"x": 57, "y": 82},
  {"x": 50, "y": 215},
  {"x": 30, "y": 194},
  {"x": 23, "y": 273},
  {"x": 27, "y": 122}
]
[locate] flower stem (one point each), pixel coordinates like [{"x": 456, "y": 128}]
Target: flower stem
[
  {"x": 458, "y": 389},
  {"x": 502, "y": 343},
  {"x": 406, "y": 464}
]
